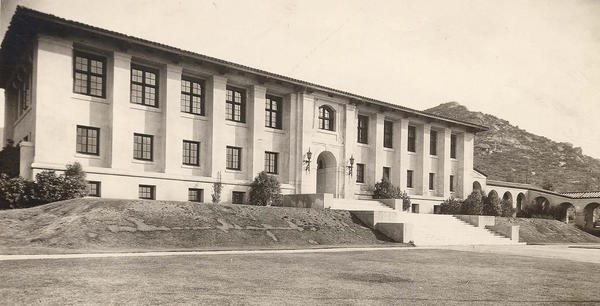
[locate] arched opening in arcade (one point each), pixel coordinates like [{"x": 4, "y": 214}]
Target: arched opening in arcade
[
  {"x": 520, "y": 198},
  {"x": 476, "y": 186},
  {"x": 326, "y": 173},
  {"x": 565, "y": 212},
  {"x": 592, "y": 216},
  {"x": 538, "y": 208},
  {"x": 508, "y": 198}
]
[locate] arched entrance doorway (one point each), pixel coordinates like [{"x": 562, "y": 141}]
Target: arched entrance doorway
[
  {"x": 520, "y": 198},
  {"x": 326, "y": 173},
  {"x": 590, "y": 218}
]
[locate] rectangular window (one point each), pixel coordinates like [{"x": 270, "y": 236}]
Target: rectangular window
[
  {"x": 93, "y": 188},
  {"x": 433, "y": 142},
  {"x": 146, "y": 192},
  {"x": 273, "y": 112},
  {"x": 388, "y": 127},
  {"x": 452, "y": 146},
  {"x": 363, "y": 129},
  {"x": 409, "y": 179},
  {"x": 89, "y": 74},
  {"x": 195, "y": 195},
  {"x": 431, "y": 181},
  {"x": 191, "y": 153},
  {"x": 192, "y": 96},
  {"x": 271, "y": 159},
  {"x": 142, "y": 146},
  {"x": 144, "y": 86},
  {"x": 412, "y": 139},
  {"x": 415, "y": 208},
  {"x": 235, "y": 108},
  {"x": 237, "y": 197},
  {"x": 451, "y": 183},
  {"x": 88, "y": 140},
  {"x": 234, "y": 158},
  {"x": 386, "y": 174},
  {"x": 360, "y": 173}
]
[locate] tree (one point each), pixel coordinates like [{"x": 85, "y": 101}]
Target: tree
[
  {"x": 491, "y": 205},
  {"x": 265, "y": 190},
  {"x": 473, "y": 204},
  {"x": 451, "y": 206},
  {"x": 217, "y": 188},
  {"x": 506, "y": 207}
]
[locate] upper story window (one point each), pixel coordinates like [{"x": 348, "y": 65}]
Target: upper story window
[
  {"x": 360, "y": 173},
  {"x": 363, "y": 129},
  {"x": 233, "y": 158},
  {"x": 388, "y": 134},
  {"x": 412, "y": 139},
  {"x": 89, "y": 74},
  {"x": 191, "y": 153},
  {"x": 144, "y": 86},
  {"x": 88, "y": 140},
  {"x": 273, "y": 112},
  {"x": 452, "y": 146},
  {"x": 326, "y": 118},
  {"x": 192, "y": 97},
  {"x": 142, "y": 146},
  {"x": 433, "y": 142},
  {"x": 271, "y": 159},
  {"x": 235, "y": 105}
]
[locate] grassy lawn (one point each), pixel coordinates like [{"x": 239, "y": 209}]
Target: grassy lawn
[{"x": 377, "y": 277}]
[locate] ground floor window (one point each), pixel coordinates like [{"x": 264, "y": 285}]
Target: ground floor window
[
  {"x": 360, "y": 173},
  {"x": 415, "y": 208},
  {"x": 409, "y": 179},
  {"x": 93, "y": 188},
  {"x": 195, "y": 195},
  {"x": 147, "y": 192},
  {"x": 237, "y": 197},
  {"x": 386, "y": 174}
]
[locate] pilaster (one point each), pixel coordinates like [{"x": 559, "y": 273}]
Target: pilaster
[
  {"x": 122, "y": 135},
  {"x": 256, "y": 151},
  {"x": 423, "y": 156},
  {"x": 465, "y": 155},
  {"x": 349, "y": 146},
  {"x": 173, "y": 141},
  {"x": 307, "y": 179},
  {"x": 402, "y": 151},
  {"x": 444, "y": 160},
  {"x": 215, "y": 111},
  {"x": 376, "y": 143}
]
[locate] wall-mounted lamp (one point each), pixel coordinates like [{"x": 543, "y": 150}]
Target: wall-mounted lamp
[
  {"x": 307, "y": 160},
  {"x": 351, "y": 165}
]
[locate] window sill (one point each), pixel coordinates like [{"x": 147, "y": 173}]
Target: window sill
[
  {"x": 327, "y": 132},
  {"x": 235, "y": 123},
  {"x": 145, "y": 108},
  {"x": 193, "y": 116},
  {"x": 88, "y": 156},
  {"x": 274, "y": 130},
  {"x": 412, "y": 153},
  {"x": 87, "y": 98},
  {"x": 389, "y": 149},
  {"x": 434, "y": 156},
  {"x": 233, "y": 171},
  {"x": 145, "y": 162},
  {"x": 191, "y": 167},
  {"x": 362, "y": 145}
]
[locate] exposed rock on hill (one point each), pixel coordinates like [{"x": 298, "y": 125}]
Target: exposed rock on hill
[{"x": 508, "y": 153}]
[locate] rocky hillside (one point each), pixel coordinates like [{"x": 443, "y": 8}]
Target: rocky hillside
[{"x": 506, "y": 152}]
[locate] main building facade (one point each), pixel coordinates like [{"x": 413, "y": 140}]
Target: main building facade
[{"x": 151, "y": 121}]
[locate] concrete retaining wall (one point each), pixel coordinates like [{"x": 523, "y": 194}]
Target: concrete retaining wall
[
  {"x": 479, "y": 221},
  {"x": 314, "y": 200}
]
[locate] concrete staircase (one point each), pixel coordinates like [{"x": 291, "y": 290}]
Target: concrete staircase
[
  {"x": 359, "y": 205},
  {"x": 431, "y": 230}
]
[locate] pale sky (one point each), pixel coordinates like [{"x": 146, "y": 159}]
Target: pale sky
[{"x": 533, "y": 63}]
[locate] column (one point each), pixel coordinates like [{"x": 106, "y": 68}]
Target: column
[
  {"x": 376, "y": 143},
  {"x": 122, "y": 134},
  {"x": 423, "y": 156},
  {"x": 256, "y": 123},
  {"x": 465, "y": 155},
  {"x": 444, "y": 160},
  {"x": 215, "y": 110},
  {"x": 350, "y": 131},
  {"x": 402, "y": 151},
  {"x": 173, "y": 143}
]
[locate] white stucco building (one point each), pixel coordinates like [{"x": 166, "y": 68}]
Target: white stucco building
[{"x": 152, "y": 121}]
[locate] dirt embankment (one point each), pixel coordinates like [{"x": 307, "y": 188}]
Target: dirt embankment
[
  {"x": 112, "y": 225},
  {"x": 532, "y": 230}
]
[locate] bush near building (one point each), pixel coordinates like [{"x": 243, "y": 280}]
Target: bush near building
[
  {"x": 18, "y": 192},
  {"x": 491, "y": 205},
  {"x": 450, "y": 206},
  {"x": 473, "y": 205},
  {"x": 265, "y": 191},
  {"x": 386, "y": 190}
]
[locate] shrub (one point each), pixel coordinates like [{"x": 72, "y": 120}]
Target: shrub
[
  {"x": 450, "y": 206},
  {"x": 386, "y": 190},
  {"x": 10, "y": 159},
  {"x": 265, "y": 190},
  {"x": 217, "y": 188},
  {"x": 473, "y": 204},
  {"x": 15, "y": 192},
  {"x": 507, "y": 209},
  {"x": 491, "y": 205},
  {"x": 50, "y": 187}
]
